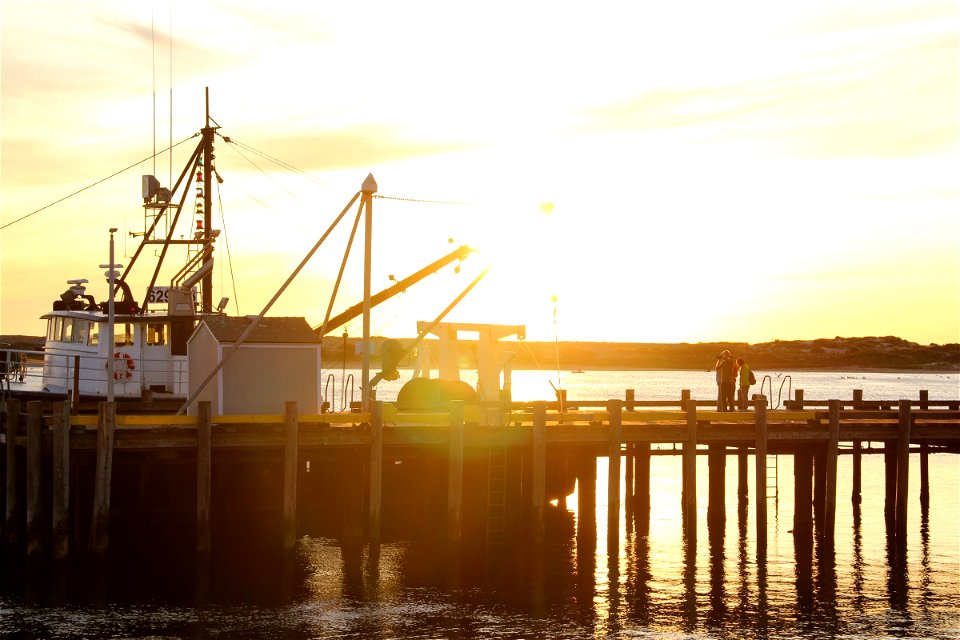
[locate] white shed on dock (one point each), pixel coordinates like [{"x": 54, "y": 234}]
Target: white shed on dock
[{"x": 278, "y": 361}]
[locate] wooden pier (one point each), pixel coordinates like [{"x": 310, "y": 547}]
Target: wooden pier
[{"x": 72, "y": 480}]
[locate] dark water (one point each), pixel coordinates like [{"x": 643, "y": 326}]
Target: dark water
[
  {"x": 577, "y": 586},
  {"x": 584, "y": 583}
]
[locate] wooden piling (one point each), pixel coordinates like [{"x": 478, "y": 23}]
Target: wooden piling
[
  {"x": 204, "y": 475},
  {"x": 743, "y": 482},
  {"x": 716, "y": 473},
  {"x": 455, "y": 475},
  {"x": 290, "y": 474},
  {"x": 802, "y": 491},
  {"x": 630, "y": 400},
  {"x": 538, "y": 492},
  {"x": 34, "y": 477},
  {"x": 376, "y": 475},
  {"x": 924, "y": 455},
  {"x": 586, "y": 500},
  {"x": 903, "y": 467},
  {"x": 830, "y": 507},
  {"x": 61, "y": 482},
  {"x": 890, "y": 481},
  {"x": 12, "y": 477},
  {"x": 689, "y": 499},
  {"x": 100, "y": 523},
  {"x": 857, "y": 472},
  {"x": 615, "y": 413},
  {"x": 760, "y": 422},
  {"x": 641, "y": 486}
]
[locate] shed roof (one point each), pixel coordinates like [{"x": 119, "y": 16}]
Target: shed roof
[{"x": 228, "y": 329}]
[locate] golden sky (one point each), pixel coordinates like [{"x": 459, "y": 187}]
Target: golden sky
[{"x": 744, "y": 170}]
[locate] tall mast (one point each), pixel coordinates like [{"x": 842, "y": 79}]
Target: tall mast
[{"x": 207, "y": 131}]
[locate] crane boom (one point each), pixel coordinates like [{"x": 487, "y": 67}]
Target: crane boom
[{"x": 460, "y": 253}]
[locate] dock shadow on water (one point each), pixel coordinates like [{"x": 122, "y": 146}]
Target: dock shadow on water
[{"x": 650, "y": 579}]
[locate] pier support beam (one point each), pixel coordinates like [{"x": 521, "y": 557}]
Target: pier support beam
[
  {"x": 12, "y": 504},
  {"x": 641, "y": 487},
  {"x": 830, "y": 507},
  {"x": 615, "y": 412},
  {"x": 61, "y": 482},
  {"x": 100, "y": 524},
  {"x": 290, "y": 474},
  {"x": 802, "y": 491},
  {"x": 376, "y": 477},
  {"x": 204, "y": 474},
  {"x": 34, "y": 478},
  {"x": 455, "y": 476},
  {"x": 760, "y": 407},
  {"x": 903, "y": 469},
  {"x": 587, "y": 500},
  {"x": 717, "y": 472},
  {"x": 538, "y": 491},
  {"x": 689, "y": 499}
]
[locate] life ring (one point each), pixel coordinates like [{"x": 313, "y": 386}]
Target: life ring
[{"x": 122, "y": 371}]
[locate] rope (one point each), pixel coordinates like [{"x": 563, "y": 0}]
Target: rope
[
  {"x": 417, "y": 200},
  {"x": 90, "y": 186}
]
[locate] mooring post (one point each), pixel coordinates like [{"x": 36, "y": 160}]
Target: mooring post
[
  {"x": 760, "y": 423},
  {"x": 538, "y": 491},
  {"x": 615, "y": 435},
  {"x": 858, "y": 398},
  {"x": 100, "y": 523},
  {"x": 290, "y": 473},
  {"x": 924, "y": 455},
  {"x": 689, "y": 498},
  {"x": 630, "y": 400},
  {"x": 830, "y": 508},
  {"x": 903, "y": 468},
  {"x": 34, "y": 476},
  {"x": 12, "y": 494},
  {"x": 376, "y": 474},
  {"x": 455, "y": 476},
  {"x": 204, "y": 475},
  {"x": 61, "y": 481},
  {"x": 798, "y": 400}
]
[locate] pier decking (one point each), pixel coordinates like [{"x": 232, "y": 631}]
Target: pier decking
[{"x": 480, "y": 480}]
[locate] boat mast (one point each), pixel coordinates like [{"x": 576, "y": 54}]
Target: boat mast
[{"x": 207, "y": 131}]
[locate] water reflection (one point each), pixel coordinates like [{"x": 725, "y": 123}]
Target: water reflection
[{"x": 662, "y": 581}]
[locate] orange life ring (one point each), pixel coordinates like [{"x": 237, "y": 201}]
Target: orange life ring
[{"x": 122, "y": 372}]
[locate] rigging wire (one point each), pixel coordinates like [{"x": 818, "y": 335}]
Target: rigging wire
[
  {"x": 267, "y": 175},
  {"x": 90, "y": 186},
  {"x": 226, "y": 243},
  {"x": 277, "y": 161},
  {"x": 381, "y": 197}
]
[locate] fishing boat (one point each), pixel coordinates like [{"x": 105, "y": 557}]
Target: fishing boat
[{"x": 127, "y": 348}]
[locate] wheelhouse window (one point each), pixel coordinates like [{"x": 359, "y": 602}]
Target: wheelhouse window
[
  {"x": 156, "y": 334},
  {"x": 94, "y": 337},
  {"x": 56, "y": 329},
  {"x": 80, "y": 330},
  {"x": 123, "y": 335},
  {"x": 67, "y": 332}
]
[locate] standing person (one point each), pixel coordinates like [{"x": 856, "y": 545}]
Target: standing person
[
  {"x": 719, "y": 388},
  {"x": 746, "y": 379},
  {"x": 727, "y": 381}
]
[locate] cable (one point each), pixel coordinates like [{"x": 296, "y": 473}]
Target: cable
[{"x": 90, "y": 186}]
